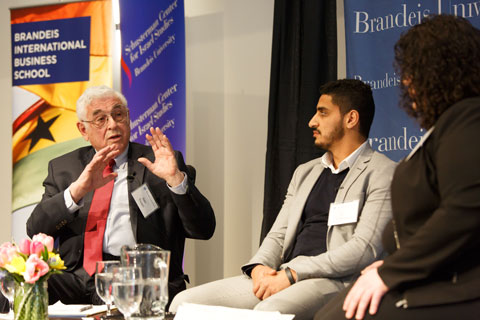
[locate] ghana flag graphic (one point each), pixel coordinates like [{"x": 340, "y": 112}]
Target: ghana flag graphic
[{"x": 57, "y": 52}]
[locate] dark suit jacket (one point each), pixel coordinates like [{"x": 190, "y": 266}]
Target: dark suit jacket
[
  {"x": 178, "y": 216},
  {"x": 436, "y": 207}
]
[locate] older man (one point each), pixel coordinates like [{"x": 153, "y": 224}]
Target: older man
[
  {"x": 88, "y": 204},
  {"x": 330, "y": 224}
]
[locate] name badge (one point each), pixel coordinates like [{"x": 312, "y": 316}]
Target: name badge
[
  {"x": 342, "y": 213},
  {"x": 145, "y": 200}
]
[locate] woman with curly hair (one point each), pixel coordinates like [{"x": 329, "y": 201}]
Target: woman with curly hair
[{"x": 433, "y": 267}]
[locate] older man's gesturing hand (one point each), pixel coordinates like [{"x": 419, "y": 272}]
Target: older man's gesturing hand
[
  {"x": 92, "y": 176},
  {"x": 165, "y": 165}
]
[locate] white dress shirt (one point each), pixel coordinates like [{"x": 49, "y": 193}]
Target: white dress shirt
[{"x": 348, "y": 162}]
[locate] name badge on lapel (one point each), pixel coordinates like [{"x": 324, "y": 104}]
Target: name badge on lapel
[
  {"x": 145, "y": 200},
  {"x": 342, "y": 213}
]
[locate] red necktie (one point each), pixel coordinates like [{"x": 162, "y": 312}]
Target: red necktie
[{"x": 96, "y": 222}]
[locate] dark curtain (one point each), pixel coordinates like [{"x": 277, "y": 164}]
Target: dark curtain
[{"x": 304, "y": 56}]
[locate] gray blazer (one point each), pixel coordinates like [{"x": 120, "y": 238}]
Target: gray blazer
[{"x": 350, "y": 247}]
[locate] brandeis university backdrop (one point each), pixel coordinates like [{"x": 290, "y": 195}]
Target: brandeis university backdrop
[{"x": 371, "y": 29}]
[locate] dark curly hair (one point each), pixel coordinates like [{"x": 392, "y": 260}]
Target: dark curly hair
[
  {"x": 352, "y": 94},
  {"x": 439, "y": 60}
]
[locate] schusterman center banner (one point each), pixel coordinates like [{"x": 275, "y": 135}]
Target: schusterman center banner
[
  {"x": 371, "y": 29},
  {"x": 153, "y": 67}
]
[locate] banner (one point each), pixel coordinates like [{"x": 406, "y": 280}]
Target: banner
[
  {"x": 57, "y": 52},
  {"x": 372, "y": 27},
  {"x": 153, "y": 67}
]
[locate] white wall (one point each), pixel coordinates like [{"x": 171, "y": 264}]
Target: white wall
[
  {"x": 228, "y": 69},
  {"x": 228, "y": 72}
]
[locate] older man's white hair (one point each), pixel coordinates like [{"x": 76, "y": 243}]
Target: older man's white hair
[{"x": 93, "y": 93}]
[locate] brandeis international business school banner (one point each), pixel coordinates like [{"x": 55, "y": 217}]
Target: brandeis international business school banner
[
  {"x": 371, "y": 29},
  {"x": 153, "y": 67},
  {"x": 57, "y": 52}
]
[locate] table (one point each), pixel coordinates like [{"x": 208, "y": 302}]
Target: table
[{"x": 169, "y": 316}]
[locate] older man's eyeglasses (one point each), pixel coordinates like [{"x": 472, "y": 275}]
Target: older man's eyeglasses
[{"x": 118, "y": 114}]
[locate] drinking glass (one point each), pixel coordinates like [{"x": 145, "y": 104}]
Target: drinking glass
[
  {"x": 103, "y": 282},
  {"x": 7, "y": 286},
  {"x": 127, "y": 290}
]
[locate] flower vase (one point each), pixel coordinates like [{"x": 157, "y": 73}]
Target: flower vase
[{"x": 31, "y": 301}]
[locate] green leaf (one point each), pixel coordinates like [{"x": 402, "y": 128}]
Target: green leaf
[
  {"x": 45, "y": 253},
  {"x": 24, "y": 256},
  {"x": 18, "y": 278}
]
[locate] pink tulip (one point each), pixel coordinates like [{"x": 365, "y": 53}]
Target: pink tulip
[
  {"x": 7, "y": 252},
  {"x": 34, "y": 269},
  {"x": 36, "y": 248},
  {"x": 24, "y": 246},
  {"x": 44, "y": 239}
]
